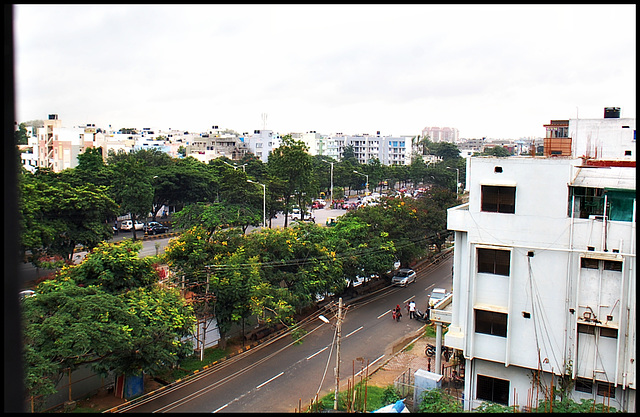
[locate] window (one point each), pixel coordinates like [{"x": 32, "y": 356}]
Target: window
[
  {"x": 588, "y": 201},
  {"x": 491, "y": 322},
  {"x": 492, "y": 389},
  {"x": 498, "y": 199},
  {"x": 586, "y": 329},
  {"x": 606, "y": 390},
  {"x": 613, "y": 266},
  {"x": 608, "y": 332},
  {"x": 494, "y": 261},
  {"x": 584, "y": 385},
  {"x": 589, "y": 263}
]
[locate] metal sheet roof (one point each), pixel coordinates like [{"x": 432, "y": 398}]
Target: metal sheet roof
[{"x": 606, "y": 177}]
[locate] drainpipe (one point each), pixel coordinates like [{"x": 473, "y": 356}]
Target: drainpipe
[
  {"x": 569, "y": 321},
  {"x": 439, "y": 347},
  {"x": 603, "y": 245}
]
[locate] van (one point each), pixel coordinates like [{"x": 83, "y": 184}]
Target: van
[{"x": 128, "y": 225}]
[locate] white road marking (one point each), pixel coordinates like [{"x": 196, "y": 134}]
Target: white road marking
[
  {"x": 220, "y": 408},
  {"x": 407, "y": 300},
  {"x": 359, "y": 328},
  {"x": 266, "y": 382},
  {"x": 429, "y": 287},
  {"x": 384, "y": 314},
  {"x": 318, "y": 352}
]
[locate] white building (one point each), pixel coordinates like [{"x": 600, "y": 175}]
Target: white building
[
  {"x": 544, "y": 276},
  {"x": 261, "y": 143}
]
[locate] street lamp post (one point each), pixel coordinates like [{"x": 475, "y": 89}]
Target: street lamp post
[
  {"x": 331, "y": 181},
  {"x": 264, "y": 203},
  {"x": 457, "y": 180},
  {"x": 338, "y": 336},
  {"x": 366, "y": 187}
]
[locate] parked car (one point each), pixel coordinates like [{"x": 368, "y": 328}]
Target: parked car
[
  {"x": 437, "y": 295},
  {"x": 154, "y": 228},
  {"x": 127, "y": 225},
  {"x": 403, "y": 277},
  {"x": 295, "y": 213}
]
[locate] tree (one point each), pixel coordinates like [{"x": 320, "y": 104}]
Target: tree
[
  {"x": 20, "y": 135},
  {"x": 132, "y": 186},
  {"x": 497, "y": 151},
  {"x": 291, "y": 164},
  {"x": 104, "y": 319},
  {"x": 57, "y": 215}
]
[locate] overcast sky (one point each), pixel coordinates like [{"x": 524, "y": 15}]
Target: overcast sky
[{"x": 498, "y": 71}]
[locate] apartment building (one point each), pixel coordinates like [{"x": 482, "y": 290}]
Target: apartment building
[
  {"x": 215, "y": 144},
  {"x": 442, "y": 134},
  {"x": 261, "y": 143},
  {"x": 544, "y": 273}
]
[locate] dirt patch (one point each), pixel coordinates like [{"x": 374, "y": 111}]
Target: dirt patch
[{"x": 411, "y": 359}]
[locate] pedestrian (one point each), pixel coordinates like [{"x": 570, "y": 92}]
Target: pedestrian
[
  {"x": 412, "y": 309},
  {"x": 427, "y": 312},
  {"x": 398, "y": 312}
]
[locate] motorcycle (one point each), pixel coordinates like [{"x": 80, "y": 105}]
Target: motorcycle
[
  {"x": 420, "y": 316},
  {"x": 430, "y": 351}
]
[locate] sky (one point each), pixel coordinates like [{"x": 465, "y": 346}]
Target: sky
[{"x": 494, "y": 71}]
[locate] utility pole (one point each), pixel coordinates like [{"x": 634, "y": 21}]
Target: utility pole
[{"x": 339, "y": 333}]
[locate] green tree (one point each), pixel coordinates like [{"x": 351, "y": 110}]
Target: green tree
[
  {"x": 113, "y": 326},
  {"x": 498, "y": 151},
  {"x": 132, "y": 185},
  {"x": 57, "y": 215},
  {"x": 20, "y": 135},
  {"x": 291, "y": 164}
]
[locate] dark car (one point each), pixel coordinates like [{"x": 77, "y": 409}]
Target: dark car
[{"x": 154, "y": 228}]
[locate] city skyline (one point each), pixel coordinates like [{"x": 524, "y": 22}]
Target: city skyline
[{"x": 495, "y": 71}]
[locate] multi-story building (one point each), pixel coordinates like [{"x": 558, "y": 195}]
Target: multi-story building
[
  {"x": 442, "y": 134},
  {"x": 544, "y": 276},
  {"x": 215, "y": 144},
  {"x": 261, "y": 143}
]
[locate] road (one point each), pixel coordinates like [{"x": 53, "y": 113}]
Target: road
[{"x": 280, "y": 375}]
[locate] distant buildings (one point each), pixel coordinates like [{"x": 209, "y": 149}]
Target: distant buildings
[
  {"x": 544, "y": 276},
  {"x": 442, "y": 134}
]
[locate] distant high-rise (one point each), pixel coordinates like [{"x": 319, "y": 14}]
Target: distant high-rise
[{"x": 441, "y": 134}]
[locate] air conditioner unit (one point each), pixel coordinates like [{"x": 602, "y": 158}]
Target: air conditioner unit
[{"x": 599, "y": 217}]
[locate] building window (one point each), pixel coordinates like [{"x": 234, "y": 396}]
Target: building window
[
  {"x": 608, "y": 332},
  {"x": 498, "y": 199},
  {"x": 586, "y": 329},
  {"x": 494, "y": 261},
  {"x": 584, "y": 385},
  {"x": 492, "y": 389},
  {"x": 491, "y": 322},
  {"x": 606, "y": 390},
  {"x": 613, "y": 266},
  {"x": 589, "y": 263}
]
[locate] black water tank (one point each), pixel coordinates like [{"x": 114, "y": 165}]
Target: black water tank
[{"x": 612, "y": 112}]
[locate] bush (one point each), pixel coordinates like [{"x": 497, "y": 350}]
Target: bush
[{"x": 438, "y": 401}]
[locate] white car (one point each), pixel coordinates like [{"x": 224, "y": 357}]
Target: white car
[
  {"x": 127, "y": 225},
  {"x": 437, "y": 295},
  {"x": 404, "y": 277}
]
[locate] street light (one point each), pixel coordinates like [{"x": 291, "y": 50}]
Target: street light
[
  {"x": 367, "y": 184},
  {"x": 338, "y": 335},
  {"x": 235, "y": 166},
  {"x": 264, "y": 203},
  {"x": 331, "y": 181},
  {"x": 457, "y": 180}
]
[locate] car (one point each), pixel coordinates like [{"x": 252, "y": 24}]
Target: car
[
  {"x": 295, "y": 213},
  {"x": 437, "y": 295},
  {"x": 26, "y": 294},
  {"x": 403, "y": 277},
  {"x": 155, "y": 228},
  {"x": 127, "y": 225}
]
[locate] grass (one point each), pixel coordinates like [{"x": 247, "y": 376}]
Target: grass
[
  {"x": 193, "y": 363},
  {"x": 376, "y": 398}
]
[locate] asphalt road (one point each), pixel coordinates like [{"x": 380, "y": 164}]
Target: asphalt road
[{"x": 281, "y": 375}]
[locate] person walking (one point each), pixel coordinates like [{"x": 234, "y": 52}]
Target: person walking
[
  {"x": 427, "y": 313},
  {"x": 412, "y": 309}
]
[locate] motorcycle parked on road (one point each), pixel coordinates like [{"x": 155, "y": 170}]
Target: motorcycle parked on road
[{"x": 420, "y": 316}]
